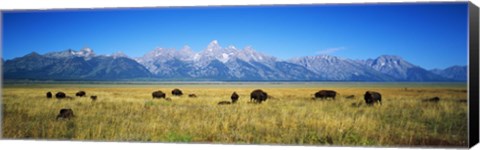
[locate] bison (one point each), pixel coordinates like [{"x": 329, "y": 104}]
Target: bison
[
  {"x": 258, "y": 96},
  {"x": 60, "y": 95},
  {"x": 65, "y": 113},
  {"x": 192, "y": 95},
  {"x": 323, "y": 94},
  {"x": 80, "y": 94},
  {"x": 93, "y": 97},
  {"x": 177, "y": 92},
  {"x": 372, "y": 97},
  {"x": 234, "y": 97},
  {"x": 158, "y": 94},
  {"x": 49, "y": 95}
]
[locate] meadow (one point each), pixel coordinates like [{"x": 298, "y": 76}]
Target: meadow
[{"x": 127, "y": 112}]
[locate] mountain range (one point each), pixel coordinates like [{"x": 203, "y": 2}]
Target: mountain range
[{"x": 216, "y": 63}]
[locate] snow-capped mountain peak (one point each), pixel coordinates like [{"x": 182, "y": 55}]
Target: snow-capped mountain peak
[
  {"x": 249, "y": 54},
  {"x": 86, "y": 53},
  {"x": 389, "y": 62},
  {"x": 156, "y": 59},
  {"x": 87, "y": 50},
  {"x": 213, "y": 46},
  {"x": 400, "y": 69},
  {"x": 185, "y": 54},
  {"x": 215, "y": 51}
]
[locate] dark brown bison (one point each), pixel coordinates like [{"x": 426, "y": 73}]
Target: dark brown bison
[
  {"x": 49, "y": 95},
  {"x": 234, "y": 97},
  {"x": 65, "y": 113},
  {"x": 158, "y": 94},
  {"x": 192, "y": 95},
  {"x": 258, "y": 96},
  {"x": 177, "y": 92},
  {"x": 60, "y": 95},
  {"x": 372, "y": 97},
  {"x": 81, "y": 94},
  {"x": 93, "y": 97},
  {"x": 433, "y": 99},
  {"x": 323, "y": 94}
]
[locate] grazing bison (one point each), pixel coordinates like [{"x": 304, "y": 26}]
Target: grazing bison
[
  {"x": 158, "y": 94},
  {"x": 168, "y": 99},
  {"x": 49, "y": 94},
  {"x": 372, "y": 97},
  {"x": 65, "y": 113},
  {"x": 93, "y": 97},
  {"x": 258, "y": 96},
  {"x": 325, "y": 94},
  {"x": 192, "y": 95},
  {"x": 60, "y": 95},
  {"x": 177, "y": 92},
  {"x": 234, "y": 97},
  {"x": 433, "y": 99},
  {"x": 80, "y": 94}
]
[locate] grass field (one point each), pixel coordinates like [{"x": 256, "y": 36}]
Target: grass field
[{"x": 127, "y": 112}]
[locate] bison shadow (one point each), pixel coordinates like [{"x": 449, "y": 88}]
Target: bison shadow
[{"x": 432, "y": 99}]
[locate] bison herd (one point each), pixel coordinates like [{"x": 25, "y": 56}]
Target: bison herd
[
  {"x": 234, "y": 97},
  {"x": 370, "y": 97},
  {"x": 256, "y": 96},
  {"x": 62, "y": 95}
]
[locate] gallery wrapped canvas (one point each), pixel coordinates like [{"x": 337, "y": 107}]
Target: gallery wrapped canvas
[{"x": 357, "y": 75}]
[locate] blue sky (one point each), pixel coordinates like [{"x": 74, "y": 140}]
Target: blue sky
[{"x": 431, "y": 35}]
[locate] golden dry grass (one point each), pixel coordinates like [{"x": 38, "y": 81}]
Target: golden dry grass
[{"x": 289, "y": 117}]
